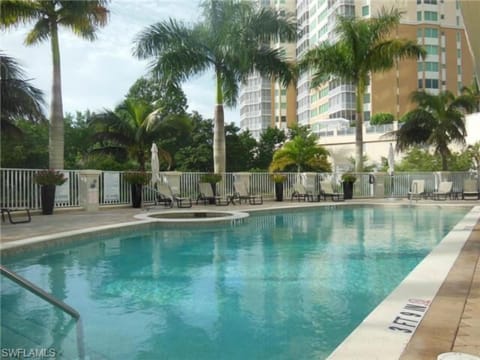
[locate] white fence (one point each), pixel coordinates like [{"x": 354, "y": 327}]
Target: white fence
[{"x": 18, "y": 189}]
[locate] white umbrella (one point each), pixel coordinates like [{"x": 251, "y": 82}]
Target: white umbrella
[
  {"x": 391, "y": 160},
  {"x": 155, "y": 164}
]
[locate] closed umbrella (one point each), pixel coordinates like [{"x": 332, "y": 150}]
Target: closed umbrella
[
  {"x": 155, "y": 165},
  {"x": 391, "y": 160}
]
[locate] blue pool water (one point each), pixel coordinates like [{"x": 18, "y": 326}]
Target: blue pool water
[{"x": 283, "y": 285}]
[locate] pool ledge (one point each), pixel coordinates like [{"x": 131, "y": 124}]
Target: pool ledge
[
  {"x": 192, "y": 216},
  {"x": 386, "y": 331}
]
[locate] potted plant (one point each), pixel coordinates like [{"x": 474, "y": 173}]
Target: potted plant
[
  {"x": 212, "y": 179},
  {"x": 279, "y": 179},
  {"x": 348, "y": 180},
  {"x": 48, "y": 181},
  {"x": 136, "y": 179}
]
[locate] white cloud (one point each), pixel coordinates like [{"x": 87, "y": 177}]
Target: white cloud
[{"x": 97, "y": 75}]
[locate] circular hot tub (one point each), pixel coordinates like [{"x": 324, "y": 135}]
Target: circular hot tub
[{"x": 192, "y": 216}]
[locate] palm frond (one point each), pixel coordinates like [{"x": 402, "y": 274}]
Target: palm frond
[{"x": 16, "y": 12}]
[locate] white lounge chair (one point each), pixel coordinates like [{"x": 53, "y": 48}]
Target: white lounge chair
[
  {"x": 444, "y": 190},
  {"x": 166, "y": 194},
  {"x": 417, "y": 189},
  {"x": 300, "y": 193},
  {"x": 205, "y": 193},
  {"x": 242, "y": 193},
  {"x": 470, "y": 188},
  {"x": 326, "y": 189}
]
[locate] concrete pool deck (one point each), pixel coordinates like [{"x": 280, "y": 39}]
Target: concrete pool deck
[{"x": 451, "y": 323}]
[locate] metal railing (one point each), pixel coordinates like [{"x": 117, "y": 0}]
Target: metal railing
[
  {"x": 34, "y": 289},
  {"x": 18, "y": 189}
]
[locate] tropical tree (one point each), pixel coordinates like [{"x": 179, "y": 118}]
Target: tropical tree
[
  {"x": 473, "y": 91},
  {"x": 365, "y": 46},
  {"x": 303, "y": 153},
  {"x": 232, "y": 40},
  {"x": 437, "y": 121},
  {"x": 270, "y": 140},
  {"x": 129, "y": 132},
  {"x": 83, "y": 17},
  {"x": 19, "y": 98}
]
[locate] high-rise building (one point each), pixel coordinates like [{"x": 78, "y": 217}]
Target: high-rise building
[
  {"x": 436, "y": 24},
  {"x": 265, "y": 103}
]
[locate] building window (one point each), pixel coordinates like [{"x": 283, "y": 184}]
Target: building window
[
  {"x": 431, "y": 66},
  {"x": 430, "y": 15},
  {"x": 419, "y": 33},
  {"x": 459, "y": 69},
  {"x": 431, "y": 33},
  {"x": 459, "y": 36},
  {"x": 366, "y": 98},
  {"x": 365, "y": 10},
  {"x": 420, "y": 83},
  {"x": 431, "y": 83},
  {"x": 458, "y": 20},
  {"x": 431, "y": 49},
  {"x": 419, "y": 66},
  {"x": 459, "y": 53},
  {"x": 284, "y": 119},
  {"x": 419, "y": 16}
]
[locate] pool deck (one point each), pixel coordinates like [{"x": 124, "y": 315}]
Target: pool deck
[{"x": 452, "y": 322}]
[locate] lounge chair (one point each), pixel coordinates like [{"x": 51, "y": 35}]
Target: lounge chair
[
  {"x": 9, "y": 214},
  {"x": 417, "y": 189},
  {"x": 242, "y": 193},
  {"x": 326, "y": 189},
  {"x": 300, "y": 193},
  {"x": 444, "y": 190},
  {"x": 470, "y": 188},
  {"x": 166, "y": 193},
  {"x": 205, "y": 193}
]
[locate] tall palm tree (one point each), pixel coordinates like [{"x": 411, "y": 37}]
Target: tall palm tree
[
  {"x": 19, "y": 99},
  {"x": 365, "y": 46},
  {"x": 304, "y": 153},
  {"x": 131, "y": 129},
  {"x": 83, "y": 17},
  {"x": 232, "y": 40},
  {"x": 473, "y": 91},
  {"x": 437, "y": 121}
]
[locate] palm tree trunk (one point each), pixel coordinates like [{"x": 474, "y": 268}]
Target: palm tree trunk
[
  {"x": 219, "y": 131},
  {"x": 359, "y": 129},
  {"x": 56, "y": 138}
]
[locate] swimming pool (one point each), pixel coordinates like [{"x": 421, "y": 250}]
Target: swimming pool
[{"x": 282, "y": 285}]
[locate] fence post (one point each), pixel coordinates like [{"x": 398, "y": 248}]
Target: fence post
[{"x": 88, "y": 189}]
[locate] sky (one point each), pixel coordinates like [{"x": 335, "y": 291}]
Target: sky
[{"x": 97, "y": 75}]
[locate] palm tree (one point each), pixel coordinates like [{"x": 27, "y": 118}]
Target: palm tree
[
  {"x": 19, "y": 99},
  {"x": 131, "y": 129},
  {"x": 303, "y": 153},
  {"x": 473, "y": 91},
  {"x": 364, "y": 47},
  {"x": 83, "y": 17},
  {"x": 437, "y": 121},
  {"x": 232, "y": 40}
]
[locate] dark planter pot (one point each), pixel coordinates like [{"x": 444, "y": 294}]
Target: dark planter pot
[
  {"x": 214, "y": 191},
  {"x": 136, "y": 195},
  {"x": 347, "y": 190},
  {"x": 48, "y": 198},
  {"x": 279, "y": 191}
]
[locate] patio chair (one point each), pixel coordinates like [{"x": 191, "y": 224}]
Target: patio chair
[
  {"x": 242, "y": 193},
  {"x": 326, "y": 189},
  {"x": 417, "y": 190},
  {"x": 166, "y": 193},
  {"x": 470, "y": 188},
  {"x": 205, "y": 193},
  {"x": 444, "y": 190},
  {"x": 9, "y": 214},
  {"x": 300, "y": 193}
]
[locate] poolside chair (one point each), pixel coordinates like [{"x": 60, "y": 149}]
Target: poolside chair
[
  {"x": 166, "y": 193},
  {"x": 470, "y": 188},
  {"x": 417, "y": 189},
  {"x": 326, "y": 189},
  {"x": 300, "y": 193},
  {"x": 205, "y": 193},
  {"x": 9, "y": 214},
  {"x": 444, "y": 190},
  {"x": 242, "y": 193}
]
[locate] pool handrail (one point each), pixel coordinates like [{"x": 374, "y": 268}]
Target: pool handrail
[{"x": 20, "y": 280}]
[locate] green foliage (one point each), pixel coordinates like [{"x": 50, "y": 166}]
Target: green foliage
[
  {"x": 266, "y": 146},
  {"x": 349, "y": 177},
  {"x": 49, "y": 177},
  {"x": 211, "y": 178},
  {"x": 137, "y": 177},
  {"x": 240, "y": 148},
  {"x": 278, "y": 178},
  {"x": 302, "y": 154},
  {"x": 437, "y": 121},
  {"x": 382, "y": 118},
  {"x": 418, "y": 159}
]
